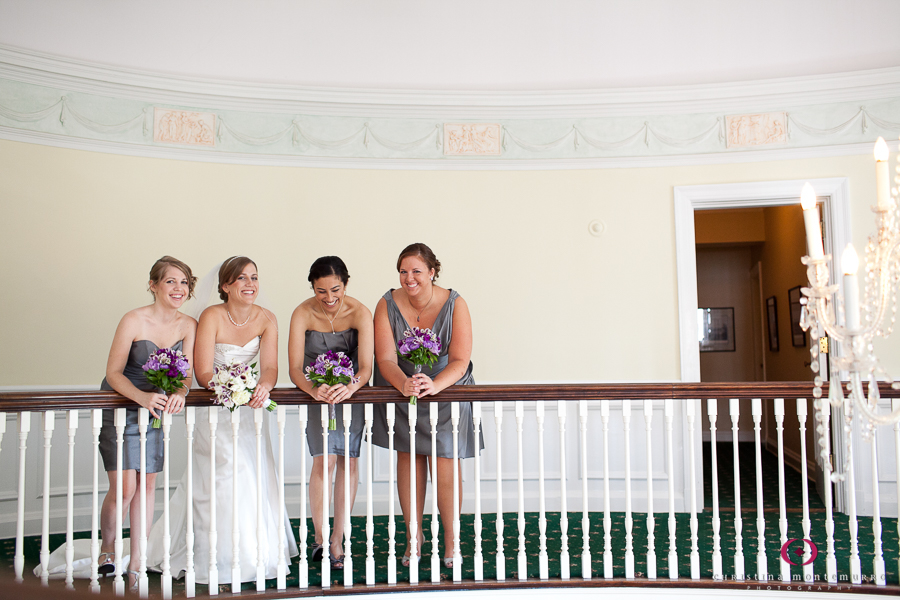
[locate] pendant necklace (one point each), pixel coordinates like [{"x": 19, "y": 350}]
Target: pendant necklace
[
  {"x": 418, "y": 314},
  {"x": 230, "y": 318},
  {"x": 331, "y": 321}
]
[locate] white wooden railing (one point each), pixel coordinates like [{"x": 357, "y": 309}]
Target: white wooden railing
[{"x": 676, "y": 438}]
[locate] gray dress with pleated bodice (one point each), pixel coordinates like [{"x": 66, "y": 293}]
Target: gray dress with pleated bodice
[
  {"x": 318, "y": 342},
  {"x": 131, "y": 449},
  {"x": 443, "y": 327}
]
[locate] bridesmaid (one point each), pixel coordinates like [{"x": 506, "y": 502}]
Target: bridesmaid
[
  {"x": 331, "y": 320},
  {"x": 421, "y": 303},
  {"x": 141, "y": 332}
]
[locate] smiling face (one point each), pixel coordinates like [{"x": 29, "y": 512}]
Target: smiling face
[
  {"x": 415, "y": 276},
  {"x": 245, "y": 287},
  {"x": 172, "y": 288},
  {"x": 329, "y": 292}
]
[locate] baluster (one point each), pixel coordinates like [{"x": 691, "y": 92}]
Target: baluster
[
  {"x": 48, "y": 425},
  {"x": 392, "y": 525},
  {"x": 543, "y": 561},
  {"x": 522, "y": 558},
  {"x": 878, "y": 559},
  {"x": 413, "y": 502},
  {"x": 585, "y": 516},
  {"x": 190, "y": 575},
  {"x": 260, "y": 523},
  {"x": 96, "y": 424},
  {"x": 213, "y": 413},
  {"x": 435, "y": 545},
  {"x": 324, "y": 415},
  {"x": 629, "y": 522},
  {"x": 734, "y": 409},
  {"x": 669, "y": 413},
  {"x": 762, "y": 567},
  {"x": 563, "y": 506},
  {"x": 853, "y": 523},
  {"x": 303, "y": 413},
  {"x": 651, "y": 521},
  {"x": 808, "y": 574},
  {"x": 281, "y": 583},
  {"x": 782, "y": 506},
  {"x": 607, "y": 519},
  {"x": 166, "y": 577},
  {"x": 712, "y": 410},
  {"x": 823, "y": 431},
  {"x": 72, "y": 426},
  {"x": 457, "y": 555},
  {"x": 690, "y": 410},
  {"x": 895, "y": 406},
  {"x": 118, "y": 582},
  {"x": 370, "y": 523},
  {"x": 348, "y": 549},
  {"x": 479, "y": 557},
  {"x": 143, "y": 581},
  {"x": 19, "y": 561},
  {"x": 501, "y": 556},
  {"x": 235, "y": 513}
]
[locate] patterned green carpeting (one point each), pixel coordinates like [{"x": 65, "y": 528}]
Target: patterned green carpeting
[{"x": 574, "y": 536}]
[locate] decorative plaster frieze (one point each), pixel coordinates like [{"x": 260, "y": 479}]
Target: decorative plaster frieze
[
  {"x": 471, "y": 139},
  {"x": 756, "y": 130},
  {"x": 184, "y": 127}
]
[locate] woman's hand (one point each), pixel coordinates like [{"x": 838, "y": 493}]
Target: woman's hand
[
  {"x": 259, "y": 397},
  {"x": 426, "y": 385},
  {"x": 411, "y": 387},
  {"x": 322, "y": 393},
  {"x": 153, "y": 402},
  {"x": 338, "y": 393},
  {"x": 175, "y": 403}
]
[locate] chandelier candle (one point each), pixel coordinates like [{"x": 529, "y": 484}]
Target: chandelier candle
[
  {"x": 850, "y": 265},
  {"x": 811, "y": 221},
  {"x": 882, "y": 175}
]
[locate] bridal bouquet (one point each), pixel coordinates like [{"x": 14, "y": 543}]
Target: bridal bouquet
[
  {"x": 420, "y": 347},
  {"x": 331, "y": 368},
  {"x": 166, "y": 369},
  {"x": 234, "y": 383}
]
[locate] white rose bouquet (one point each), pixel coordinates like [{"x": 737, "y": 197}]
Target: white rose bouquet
[{"x": 234, "y": 383}]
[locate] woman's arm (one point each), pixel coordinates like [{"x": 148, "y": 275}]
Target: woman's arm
[
  {"x": 205, "y": 346},
  {"x": 364, "y": 326},
  {"x": 268, "y": 361},
  {"x": 126, "y": 332},
  {"x": 459, "y": 354},
  {"x": 176, "y": 400},
  {"x": 297, "y": 352},
  {"x": 386, "y": 353}
]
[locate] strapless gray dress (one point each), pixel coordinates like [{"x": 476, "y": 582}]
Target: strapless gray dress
[
  {"x": 443, "y": 327},
  {"x": 318, "y": 343},
  {"x": 131, "y": 450}
]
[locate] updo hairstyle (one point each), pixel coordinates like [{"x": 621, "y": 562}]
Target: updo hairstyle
[
  {"x": 158, "y": 271},
  {"x": 424, "y": 252},
  {"x": 327, "y": 266},
  {"x": 229, "y": 272}
]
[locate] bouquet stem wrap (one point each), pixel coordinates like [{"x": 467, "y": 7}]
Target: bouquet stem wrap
[
  {"x": 331, "y": 368},
  {"x": 412, "y": 399}
]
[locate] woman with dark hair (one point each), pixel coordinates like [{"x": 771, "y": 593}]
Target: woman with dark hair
[
  {"x": 237, "y": 329},
  {"x": 419, "y": 302},
  {"x": 331, "y": 321}
]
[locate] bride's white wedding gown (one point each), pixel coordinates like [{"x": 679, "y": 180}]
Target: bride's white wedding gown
[{"x": 228, "y": 465}]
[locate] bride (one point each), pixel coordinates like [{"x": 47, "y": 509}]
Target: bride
[{"x": 235, "y": 329}]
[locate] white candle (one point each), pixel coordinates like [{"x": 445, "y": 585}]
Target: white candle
[
  {"x": 811, "y": 220},
  {"x": 882, "y": 177},
  {"x": 850, "y": 264}
]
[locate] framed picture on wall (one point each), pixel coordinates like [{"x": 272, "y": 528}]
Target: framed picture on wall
[
  {"x": 798, "y": 336},
  {"x": 772, "y": 321},
  {"x": 716, "y": 329}
]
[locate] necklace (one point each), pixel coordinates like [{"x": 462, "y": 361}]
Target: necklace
[
  {"x": 331, "y": 321},
  {"x": 418, "y": 314},
  {"x": 230, "y": 318}
]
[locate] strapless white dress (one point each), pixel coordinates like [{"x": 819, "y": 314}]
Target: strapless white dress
[{"x": 228, "y": 466}]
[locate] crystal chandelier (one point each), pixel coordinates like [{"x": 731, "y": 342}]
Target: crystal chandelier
[{"x": 825, "y": 309}]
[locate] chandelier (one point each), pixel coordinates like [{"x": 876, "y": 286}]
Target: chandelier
[{"x": 839, "y": 316}]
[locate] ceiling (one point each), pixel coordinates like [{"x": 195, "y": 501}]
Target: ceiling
[{"x": 477, "y": 45}]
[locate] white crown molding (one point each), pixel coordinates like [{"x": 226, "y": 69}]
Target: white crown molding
[
  {"x": 412, "y": 164},
  {"x": 66, "y": 73}
]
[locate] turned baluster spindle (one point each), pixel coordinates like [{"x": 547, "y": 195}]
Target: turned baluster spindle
[
  {"x": 281, "y": 573},
  {"x": 324, "y": 416},
  {"x": 435, "y": 527},
  {"x": 853, "y": 522},
  {"x": 236, "y": 484},
  {"x": 96, "y": 424},
  {"x": 24, "y": 426},
  {"x": 564, "y": 570},
  {"x": 878, "y": 555},
  {"x": 348, "y": 531},
  {"x": 49, "y": 419},
  {"x": 607, "y": 518},
  {"x": 762, "y": 568},
  {"x": 690, "y": 412},
  {"x": 479, "y": 555},
  {"x": 303, "y": 530},
  {"x": 629, "y": 521},
  {"x": 457, "y": 555},
  {"x": 413, "y": 532},
  {"x": 390, "y": 417},
  {"x": 543, "y": 561},
  {"x": 734, "y": 410},
  {"x": 190, "y": 575},
  {"x": 522, "y": 557},
  {"x": 651, "y": 521},
  {"x": 370, "y": 522},
  {"x": 585, "y": 515},
  {"x": 498, "y": 428},
  {"x": 669, "y": 414},
  {"x": 260, "y": 521},
  {"x": 778, "y": 406},
  {"x": 808, "y": 574},
  {"x": 119, "y": 582},
  {"x": 166, "y": 577},
  {"x": 213, "y": 413},
  {"x": 72, "y": 428},
  {"x": 712, "y": 412}
]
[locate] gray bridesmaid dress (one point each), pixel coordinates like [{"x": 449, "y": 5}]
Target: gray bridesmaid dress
[
  {"x": 131, "y": 450},
  {"x": 443, "y": 327},
  {"x": 317, "y": 343}
]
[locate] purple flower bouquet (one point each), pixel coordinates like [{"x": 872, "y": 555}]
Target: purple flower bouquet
[
  {"x": 166, "y": 369},
  {"x": 331, "y": 368},
  {"x": 420, "y": 347}
]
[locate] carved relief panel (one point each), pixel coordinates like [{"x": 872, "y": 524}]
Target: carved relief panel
[
  {"x": 756, "y": 130},
  {"x": 184, "y": 127},
  {"x": 471, "y": 139}
]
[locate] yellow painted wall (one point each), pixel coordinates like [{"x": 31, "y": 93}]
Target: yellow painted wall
[{"x": 550, "y": 302}]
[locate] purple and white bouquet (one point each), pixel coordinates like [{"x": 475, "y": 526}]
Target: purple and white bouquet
[
  {"x": 420, "y": 347},
  {"x": 331, "y": 368},
  {"x": 234, "y": 383},
  {"x": 166, "y": 369}
]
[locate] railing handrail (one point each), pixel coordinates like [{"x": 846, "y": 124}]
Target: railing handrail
[{"x": 38, "y": 401}]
